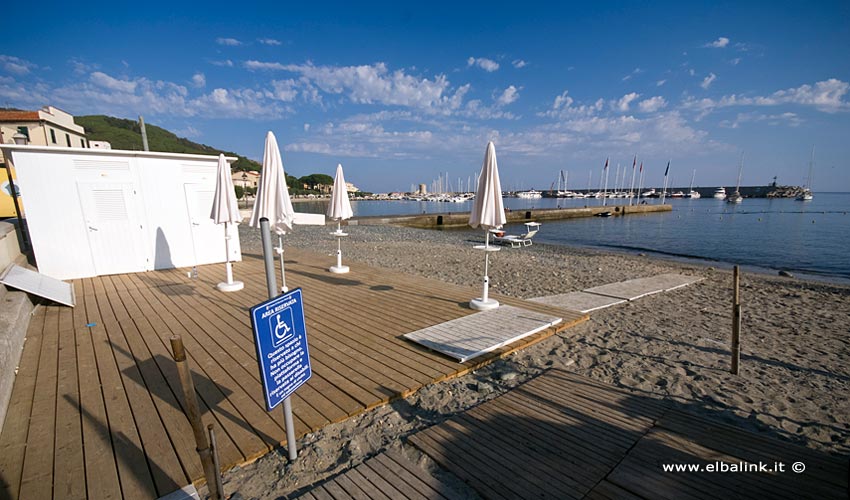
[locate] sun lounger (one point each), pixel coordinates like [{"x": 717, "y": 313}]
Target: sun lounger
[{"x": 523, "y": 240}]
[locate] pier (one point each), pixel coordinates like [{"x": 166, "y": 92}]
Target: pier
[{"x": 461, "y": 219}]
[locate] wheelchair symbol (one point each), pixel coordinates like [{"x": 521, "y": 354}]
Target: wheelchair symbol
[{"x": 279, "y": 326}]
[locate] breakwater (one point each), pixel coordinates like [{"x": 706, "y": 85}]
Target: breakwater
[{"x": 461, "y": 219}]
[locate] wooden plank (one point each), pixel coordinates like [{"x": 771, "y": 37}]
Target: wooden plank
[
  {"x": 606, "y": 490},
  {"x": 13, "y": 439},
  {"x": 352, "y": 489},
  {"x": 407, "y": 484},
  {"x": 69, "y": 464},
  {"x": 370, "y": 482},
  {"x": 466, "y": 466},
  {"x": 37, "y": 474}
]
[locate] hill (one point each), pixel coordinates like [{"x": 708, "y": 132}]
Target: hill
[{"x": 126, "y": 134}]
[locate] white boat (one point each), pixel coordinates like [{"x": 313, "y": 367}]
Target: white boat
[
  {"x": 530, "y": 194},
  {"x": 691, "y": 192},
  {"x": 677, "y": 194},
  {"x": 720, "y": 193},
  {"x": 806, "y": 195},
  {"x": 736, "y": 196},
  {"x": 649, "y": 194}
]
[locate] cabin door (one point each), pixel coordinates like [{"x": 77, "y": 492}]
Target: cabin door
[
  {"x": 114, "y": 226},
  {"x": 207, "y": 236}
]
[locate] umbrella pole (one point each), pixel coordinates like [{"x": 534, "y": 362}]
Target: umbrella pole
[
  {"x": 271, "y": 284},
  {"x": 485, "y": 296},
  {"x": 229, "y": 285},
  {"x": 283, "y": 287}
]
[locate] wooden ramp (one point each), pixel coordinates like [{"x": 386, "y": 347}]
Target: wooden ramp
[
  {"x": 579, "y": 301},
  {"x": 641, "y": 287},
  {"x": 96, "y": 409},
  {"x": 566, "y": 436},
  {"x": 477, "y": 334}
]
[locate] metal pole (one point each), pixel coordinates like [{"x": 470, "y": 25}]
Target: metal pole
[
  {"x": 283, "y": 287},
  {"x": 228, "y": 266},
  {"x": 271, "y": 284},
  {"x": 485, "y": 295},
  {"x": 736, "y": 320},
  {"x": 193, "y": 413}
]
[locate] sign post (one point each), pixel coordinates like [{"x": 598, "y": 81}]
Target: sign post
[{"x": 280, "y": 337}]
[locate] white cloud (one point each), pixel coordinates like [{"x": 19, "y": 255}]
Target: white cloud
[
  {"x": 284, "y": 90},
  {"x": 375, "y": 84},
  {"x": 660, "y": 83},
  {"x": 562, "y": 100},
  {"x": 269, "y": 41},
  {"x": 623, "y": 103},
  {"x": 634, "y": 72},
  {"x": 260, "y": 65},
  {"x": 509, "y": 95},
  {"x": 16, "y": 65},
  {"x": 707, "y": 81},
  {"x": 199, "y": 80},
  {"x": 188, "y": 132},
  {"x": 720, "y": 43},
  {"x": 787, "y": 119},
  {"x": 227, "y": 63},
  {"x": 827, "y": 96},
  {"x": 483, "y": 63},
  {"x": 735, "y": 62},
  {"x": 306, "y": 127},
  {"x": 519, "y": 63},
  {"x": 652, "y": 104},
  {"x": 230, "y": 42},
  {"x": 110, "y": 83},
  {"x": 692, "y": 72}
]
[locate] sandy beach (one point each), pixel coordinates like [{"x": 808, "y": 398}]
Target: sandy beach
[{"x": 794, "y": 385}]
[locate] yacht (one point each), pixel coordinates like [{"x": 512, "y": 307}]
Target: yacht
[
  {"x": 736, "y": 196},
  {"x": 806, "y": 194},
  {"x": 530, "y": 194},
  {"x": 649, "y": 194},
  {"x": 677, "y": 194},
  {"x": 720, "y": 193}
]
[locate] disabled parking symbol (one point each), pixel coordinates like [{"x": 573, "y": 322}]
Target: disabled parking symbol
[{"x": 281, "y": 327}]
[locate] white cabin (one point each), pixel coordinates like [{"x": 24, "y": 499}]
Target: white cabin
[{"x": 93, "y": 212}]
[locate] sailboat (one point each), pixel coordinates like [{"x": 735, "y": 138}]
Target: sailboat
[
  {"x": 736, "y": 196},
  {"x": 806, "y": 195},
  {"x": 691, "y": 192}
]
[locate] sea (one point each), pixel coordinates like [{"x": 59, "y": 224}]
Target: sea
[{"x": 810, "y": 239}]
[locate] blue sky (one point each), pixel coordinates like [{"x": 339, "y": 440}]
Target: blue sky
[{"x": 398, "y": 94}]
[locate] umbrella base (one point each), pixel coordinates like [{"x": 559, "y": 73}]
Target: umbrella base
[
  {"x": 338, "y": 269},
  {"x": 483, "y": 305},
  {"x": 230, "y": 287}
]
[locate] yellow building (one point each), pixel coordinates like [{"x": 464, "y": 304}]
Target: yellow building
[{"x": 49, "y": 126}]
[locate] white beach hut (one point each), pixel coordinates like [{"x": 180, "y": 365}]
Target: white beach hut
[{"x": 93, "y": 212}]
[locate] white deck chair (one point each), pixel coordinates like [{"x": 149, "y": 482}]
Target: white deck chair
[{"x": 523, "y": 240}]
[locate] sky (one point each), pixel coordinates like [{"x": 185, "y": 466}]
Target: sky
[{"x": 401, "y": 93}]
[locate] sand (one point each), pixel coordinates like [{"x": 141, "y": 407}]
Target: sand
[{"x": 794, "y": 384}]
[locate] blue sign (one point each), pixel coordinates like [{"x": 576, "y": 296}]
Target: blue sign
[{"x": 280, "y": 337}]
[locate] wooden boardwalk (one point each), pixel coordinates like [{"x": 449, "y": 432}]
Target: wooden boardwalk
[
  {"x": 96, "y": 406},
  {"x": 566, "y": 436}
]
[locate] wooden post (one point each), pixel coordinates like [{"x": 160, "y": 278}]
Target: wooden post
[
  {"x": 736, "y": 320},
  {"x": 193, "y": 413}
]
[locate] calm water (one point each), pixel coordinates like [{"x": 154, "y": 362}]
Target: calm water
[{"x": 809, "y": 237}]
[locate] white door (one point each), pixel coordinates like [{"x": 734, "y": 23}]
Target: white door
[
  {"x": 207, "y": 236},
  {"x": 114, "y": 226}
]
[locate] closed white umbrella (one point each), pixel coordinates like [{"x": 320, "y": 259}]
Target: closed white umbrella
[
  {"x": 339, "y": 209},
  {"x": 225, "y": 210},
  {"x": 488, "y": 212},
  {"x": 272, "y": 208},
  {"x": 272, "y": 201}
]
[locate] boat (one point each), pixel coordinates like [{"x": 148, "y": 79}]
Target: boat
[
  {"x": 736, "y": 196},
  {"x": 530, "y": 194},
  {"x": 691, "y": 192},
  {"x": 650, "y": 194},
  {"x": 806, "y": 194},
  {"x": 720, "y": 193},
  {"x": 677, "y": 194},
  {"x": 603, "y": 214}
]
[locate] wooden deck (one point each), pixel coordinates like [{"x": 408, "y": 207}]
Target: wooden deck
[
  {"x": 566, "y": 436},
  {"x": 96, "y": 410}
]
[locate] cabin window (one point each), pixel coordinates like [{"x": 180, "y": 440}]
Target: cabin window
[
  {"x": 25, "y": 131},
  {"x": 68, "y": 139},
  {"x": 53, "y": 136}
]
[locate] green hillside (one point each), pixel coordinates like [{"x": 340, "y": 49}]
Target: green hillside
[{"x": 126, "y": 134}]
